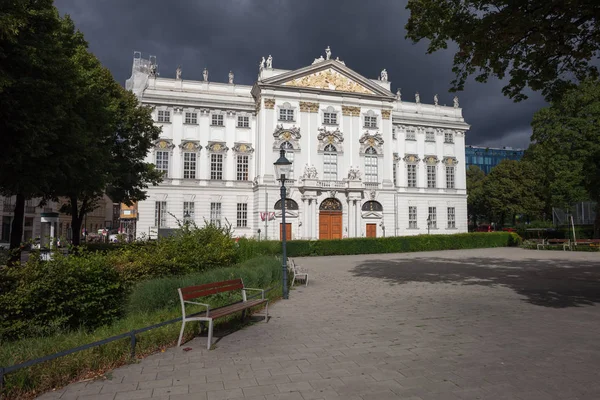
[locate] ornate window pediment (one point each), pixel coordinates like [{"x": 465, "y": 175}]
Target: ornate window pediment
[
  {"x": 217, "y": 147},
  {"x": 190, "y": 145},
  {"x": 245, "y": 148},
  {"x": 325, "y": 138},
  {"x": 371, "y": 140},
  {"x": 282, "y": 135},
  {"x": 431, "y": 160},
  {"x": 329, "y": 79},
  {"x": 372, "y": 205},
  {"x": 290, "y": 205},
  {"x": 450, "y": 161},
  {"x": 164, "y": 144},
  {"x": 411, "y": 158}
]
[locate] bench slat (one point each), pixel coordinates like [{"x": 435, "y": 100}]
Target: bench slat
[
  {"x": 207, "y": 292},
  {"x": 210, "y": 285},
  {"x": 221, "y": 312}
]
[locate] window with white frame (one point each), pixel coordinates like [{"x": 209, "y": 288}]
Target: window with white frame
[
  {"x": 411, "y": 175},
  {"x": 449, "y": 177},
  {"x": 411, "y": 134},
  {"x": 330, "y": 116},
  {"x": 371, "y": 165},
  {"x": 330, "y": 163},
  {"x": 430, "y": 135},
  {"x": 412, "y": 217},
  {"x": 191, "y": 118},
  {"x": 242, "y": 215},
  {"x": 160, "y": 213},
  {"x": 188, "y": 211},
  {"x": 215, "y": 214},
  {"x": 164, "y": 116},
  {"x": 451, "y": 217},
  {"x": 243, "y": 121},
  {"x": 189, "y": 165},
  {"x": 217, "y": 120},
  {"x": 242, "y": 167},
  {"x": 448, "y": 137},
  {"x": 216, "y": 166},
  {"x": 431, "y": 175},
  {"x": 432, "y": 217},
  {"x": 370, "y": 121},
  {"x": 289, "y": 154},
  {"x": 161, "y": 161},
  {"x": 286, "y": 112}
]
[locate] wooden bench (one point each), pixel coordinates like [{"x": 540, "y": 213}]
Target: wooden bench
[
  {"x": 566, "y": 243},
  {"x": 193, "y": 292},
  {"x": 587, "y": 242}
]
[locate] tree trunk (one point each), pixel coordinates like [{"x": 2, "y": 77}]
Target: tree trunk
[
  {"x": 75, "y": 222},
  {"x": 597, "y": 221},
  {"x": 16, "y": 232}
]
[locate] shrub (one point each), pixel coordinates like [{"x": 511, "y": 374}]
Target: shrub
[
  {"x": 45, "y": 297},
  {"x": 251, "y": 248}
]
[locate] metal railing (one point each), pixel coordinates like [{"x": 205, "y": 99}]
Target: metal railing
[{"x": 131, "y": 335}]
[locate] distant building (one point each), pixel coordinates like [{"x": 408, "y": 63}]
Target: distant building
[{"x": 487, "y": 158}]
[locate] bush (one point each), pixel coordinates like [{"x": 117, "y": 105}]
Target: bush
[{"x": 45, "y": 297}]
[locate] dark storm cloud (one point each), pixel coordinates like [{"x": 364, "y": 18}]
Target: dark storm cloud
[{"x": 225, "y": 35}]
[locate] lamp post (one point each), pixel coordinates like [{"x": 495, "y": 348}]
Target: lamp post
[
  {"x": 428, "y": 224},
  {"x": 186, "y": 218},
  {"x": 282, "y": 167}
]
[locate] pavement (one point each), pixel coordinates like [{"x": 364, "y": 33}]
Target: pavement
[{"x": 470, "y": 324}]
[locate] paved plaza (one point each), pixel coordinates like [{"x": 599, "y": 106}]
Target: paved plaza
[{"x": 471, "y": 324}]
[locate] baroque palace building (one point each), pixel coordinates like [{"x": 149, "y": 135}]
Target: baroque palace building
[{"x": 365, "y": 162}]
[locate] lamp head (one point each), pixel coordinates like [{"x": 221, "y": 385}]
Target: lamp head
[{"x": 282, "y": 165}]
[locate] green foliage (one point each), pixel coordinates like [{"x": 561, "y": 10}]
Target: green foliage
[
  {"x": 250, "y": 248},
  {"x": 476, "y": 207},
  {"x": 543, "y": 45},
  {"x": 45, "y": 297}
]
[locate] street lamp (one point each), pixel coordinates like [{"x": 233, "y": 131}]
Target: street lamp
[
  {"x": 283, "y": 167},
  {"x": 428, "y": 223}
]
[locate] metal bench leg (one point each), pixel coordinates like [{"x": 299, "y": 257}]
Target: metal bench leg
[
  {"x": 267, "y": 312},
  {"x": 181, "y": 333},
  {"x": 210, "y": 333},
  {"x": 306, "y": 280}
]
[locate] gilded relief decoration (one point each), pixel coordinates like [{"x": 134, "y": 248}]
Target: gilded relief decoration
[
  {"x": 164, "y": 144},
  {"x": 282, "y": 135},
  {"x": 351, "y": 111},
  {"x": 372, "y": 205},
  {"x": 326, "y": 138},
  {"x": 217, "y": 147},
  {"x": 385, "y": 114},
  {"x": 450, "y": 161},
  {"x": 190, "y": 145},
  {"x": 431, "y": 160},
  {"x": 269, "y": 104},
  {"x": 306, "y": 106},
  {"x": 330, "y": 80},
  {"x": 245, "y": 148},
  {"x": 331, "y": 204},
  {"x": 411, "y": 158},
  {"x": 371, "y": 140}
]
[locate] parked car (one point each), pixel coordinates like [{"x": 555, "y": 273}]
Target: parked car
[{"x": 484, "y": 228}]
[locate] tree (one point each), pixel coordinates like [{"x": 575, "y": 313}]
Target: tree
[
  {"x": 545, "y": 45},
  {"x": 567, "y": 142},
  {"x": 476, "y": 206}
]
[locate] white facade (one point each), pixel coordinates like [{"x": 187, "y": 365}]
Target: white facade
[{"x": 350, "y": 138}]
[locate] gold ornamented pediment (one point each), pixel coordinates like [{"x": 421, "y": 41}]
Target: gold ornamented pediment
[
  {"x": 351, "y": 111},
  {"x": 306, "y": 106},
  {"x": 269, "y": 104},
  {"x": 329, "y": 80},
  {"x": 385, "y": 114}
]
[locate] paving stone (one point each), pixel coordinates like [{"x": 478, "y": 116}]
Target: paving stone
[
  {"x": 135, "y": 394},
  {"x": 170, "y": 390}
]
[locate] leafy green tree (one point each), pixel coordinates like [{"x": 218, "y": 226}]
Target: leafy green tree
[
  {"x": 476, "y": 206},
  {"x": 545, "y": 45},
  {"x": 567, "y": 142}
]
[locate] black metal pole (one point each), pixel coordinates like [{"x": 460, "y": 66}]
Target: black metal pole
[{"x": 283, "y": 238}]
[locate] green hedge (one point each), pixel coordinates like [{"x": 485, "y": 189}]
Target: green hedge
[{"x": 396, "y": 244}]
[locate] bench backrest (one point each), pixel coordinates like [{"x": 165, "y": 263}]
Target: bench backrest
[{"x": 192, "y": 292}]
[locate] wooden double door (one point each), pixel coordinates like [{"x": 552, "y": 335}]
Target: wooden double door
[
  {"x": 371, "y": 230},
  {"x": 330, "y": 225}
]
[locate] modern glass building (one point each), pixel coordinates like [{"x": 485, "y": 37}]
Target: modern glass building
[{"x": 487, "y": 158}]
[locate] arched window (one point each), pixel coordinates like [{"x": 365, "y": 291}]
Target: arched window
[
  {"x": 372, "y": 205},
  {"x": 286, "y": 112},
  {"x": 289, "y": 205},
  {"x": 330, "y": 116},
  {"x": 331, "y": 204},
  {"x": 289, "y": 154},
  {"x": 330, "y": 163},
  {"x": 371, "y": 165}
]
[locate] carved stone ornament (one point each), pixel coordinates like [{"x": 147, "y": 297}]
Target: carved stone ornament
[
  {"x": 431, "y": 160},
  {"x": 332, "y": 193},
  {"x": 372, "y": 194},
  {"x": 450, "y": 161},
  {"x": 396, "y": 157},
  {"x": 244, "y": 148},
  {"x": 334, "y": 138},
  {"x": 282, "y": 135},
  {"x": 310, "y": 172},
  {"x": 164, "y": 144},
  {"x": 351, "y": 111},
  {"x": 385, "y": 114},
  {"x": 354, "y": 174},
  {"x": 411, "y": 158},
  {"x": 306, "y": 106},
  {"x": 367, "y": 140},
  {"x": 217, "y": 147},
  {"x": 330, "y": 80},
  {"x": 190, "y": 145},
  {"x": 331, "y": 204},
  {"x": 269, "y": 104}
]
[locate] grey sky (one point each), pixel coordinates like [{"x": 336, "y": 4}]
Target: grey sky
[{"x": 225, "y": 35}]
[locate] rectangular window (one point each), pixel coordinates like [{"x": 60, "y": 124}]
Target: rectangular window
[
  {"x": 164, "y": 116},
  {"x": 242, "y": 214},
  {"x": 451, "y": 217},
  {"x": 411, "y": 134},
  {"x": 162, "y": 161},
  {"x": 217, "y": 120},
  {"x": 243, "y": 121},
  {"x": 371, "y": 169},
  {"x": 430, "y": 136},
  {"x": 411, "y": 172},
  {"x": 191, "y": 118},
  {"x": 188, "y": 211},
  {"x": 160, "y": 214},
  {"x": 286, "y": 114},
  {"x": 370, "y": 122},
  {"x": 432, "y": 217},
  {"x": 216, "y": 166},
  {"x": 215, "y": 214},
  {"x": 330, "y": 118},
  {"x": 431, "y": 184},
  {"x": 412, "y": 217},
  {"x": 330, "y": 166},
  {"x": 290, "y": 156},
  {"x": 450, "y": 177},
  {"x": 242, "y": 168},
  {"x": 189, "y": 165},
  {"x": 448, "y": 137}
]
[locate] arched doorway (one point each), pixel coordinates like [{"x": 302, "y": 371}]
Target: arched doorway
[
  {"x": 372, "y": 210},
  {"x": 330, "y": 219},
  {"x": 290, "y": 205}
]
